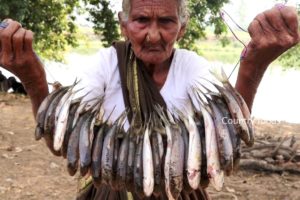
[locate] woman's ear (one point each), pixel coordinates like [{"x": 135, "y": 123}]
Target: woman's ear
[
  {"x": 122, "y": 23},
  {"x": 181, "y": 32}
]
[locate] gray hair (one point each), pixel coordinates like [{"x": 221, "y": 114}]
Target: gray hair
[{"x": 182, "y": 10}]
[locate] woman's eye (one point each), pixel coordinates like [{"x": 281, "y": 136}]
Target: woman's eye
[
  {"x": 142, "y": 19},
  {"x": 165, "y": 21}
]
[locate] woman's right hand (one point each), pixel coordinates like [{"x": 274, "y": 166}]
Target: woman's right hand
[
  {"x": 18, "y": 57},
  {"x": 17, "y": 54}
]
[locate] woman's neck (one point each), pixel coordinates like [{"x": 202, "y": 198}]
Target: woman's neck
[{"x": 159, "y": 72}]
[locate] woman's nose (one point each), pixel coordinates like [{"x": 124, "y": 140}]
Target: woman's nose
[{"x": 154, "y": 34}]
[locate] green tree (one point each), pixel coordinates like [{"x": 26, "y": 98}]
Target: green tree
[
  {"x": 51, "y": 21},
  {"x": 203, "y": 13},
  {"x": 290, "y": 59},
  {"x": 104, "y": 19}
]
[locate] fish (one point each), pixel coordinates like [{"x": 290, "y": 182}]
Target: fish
[
  {"x": 160, "y": 145},
  {"x": 49, "y": 122},
  {"x": 235, "y": 139},
  {"x": 73, "y": 146},
  {"x": 138, "y": 168},
  {"x": 168, "y": 161},
  {"x": 223, "y": 139},
  {"x": 237, "y": 107},
  {"x": 186, "y": 186},
  {"x": 114, "y": 182},
  {"x": 122, "y": 161},
  {"x": 148, "y": 171},
  {"x": 107, "y": 159},
  {"x": 194, "y": 153},
  {"x": 204, "y": 181},
  {"x": 41, "y": 113},
  {"x": 156, "y": 163},
  {"x": 97, "y": 153},
  {"x": 130, "y": 161},
  {"x": 85, "y": 144},
  {"x": 69, "y": 128},
  {"x": 215, "y": 173},
  {"x": 176, "y": 161},
  {"x": 62, "y": 114},
  {"x": 108, "y": 154}
]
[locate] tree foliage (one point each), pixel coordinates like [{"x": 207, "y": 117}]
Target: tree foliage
[
  {"x": 290, "y": 59},
  {"x": 104, "y": 20},
  {"x": 203, "y": 13},
  {"x": 51, "y": 21}
]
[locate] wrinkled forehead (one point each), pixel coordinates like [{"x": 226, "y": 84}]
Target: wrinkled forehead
[{"x": 167, "y": 6}]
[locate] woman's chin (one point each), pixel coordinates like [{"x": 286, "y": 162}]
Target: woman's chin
[{"x": 153, "y": 59}]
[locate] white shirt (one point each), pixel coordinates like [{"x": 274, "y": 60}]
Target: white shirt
[{"x": 101, "y": 77}]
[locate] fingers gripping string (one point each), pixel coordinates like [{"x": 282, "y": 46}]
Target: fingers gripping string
[
  {"x": 3, "y": 25},
  {"x": 244, "y": 52},
  {"x": 280, "y": 6}
]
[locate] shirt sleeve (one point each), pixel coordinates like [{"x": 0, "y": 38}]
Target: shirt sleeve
[
  {"x": 94, "y": 75},
  {"x": 199, "y": 76}
]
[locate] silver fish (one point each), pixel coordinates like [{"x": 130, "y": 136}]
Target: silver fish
[
  {"x": 235, "y": 139},
  {"x": 97, "y": 153},
  {"x": 194, "y": 153},
  {"x": 122, "y": 161},
  {"x": 62, "y": 119},
  {"x": 108, "y": 154},
  {"x": 186, "y": 186},
  {"x": 216, "y": 175},
  {"x": 41, "y": 113},
  {"x": 73, "y": 146},
  {"x": 168, "y": 161},
  {"x": 85, "y": 144},
  {"x": 138, "y": 169},
  {"x": 148, "y": 175},
  {"x": 223, "y": 139},
  {"x": 69, "y": 129},
  {"x": 156, "y": 163},
  {"x": 176, "y": 162},
  {"x": 130, "y": 162},
  {"x": 49, "y": 122}
]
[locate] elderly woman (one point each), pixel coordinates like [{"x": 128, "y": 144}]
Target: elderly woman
[{"x": 147, "y": 68}]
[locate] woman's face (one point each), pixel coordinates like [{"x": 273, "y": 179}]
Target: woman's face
[{"x": 153, "y": 27}]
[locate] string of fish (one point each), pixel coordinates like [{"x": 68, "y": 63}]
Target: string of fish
[{"x": 172, "y": 153}]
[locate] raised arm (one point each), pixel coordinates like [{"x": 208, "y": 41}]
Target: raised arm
[
  {"x": 18, "y": 57},
  {"x": 272, "y": 33}
]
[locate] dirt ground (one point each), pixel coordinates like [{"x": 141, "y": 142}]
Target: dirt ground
[{"x": 29, "y": 171}]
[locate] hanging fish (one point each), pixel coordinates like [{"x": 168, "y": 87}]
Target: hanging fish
[
  {"x": 148, "y": 171},
  {"x": 73, "y": 145},
  {"x": 176, "y": 161},
  {"x": 194, "y": 153},
  {"x": 97, "y": 154},
  {"x": 122, "y": 161},
  {"x": 49, "y": 122},
  {"x": 41, "y": 113},
  {"x": 215, "y": 173},
  {"x": 138, "y": 169},
  {"x": 62, "y": 114},
  {"x": 69, "y": 128}
]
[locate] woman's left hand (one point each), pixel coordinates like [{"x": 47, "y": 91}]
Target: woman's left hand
[{"x": 272, "y": 33}]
